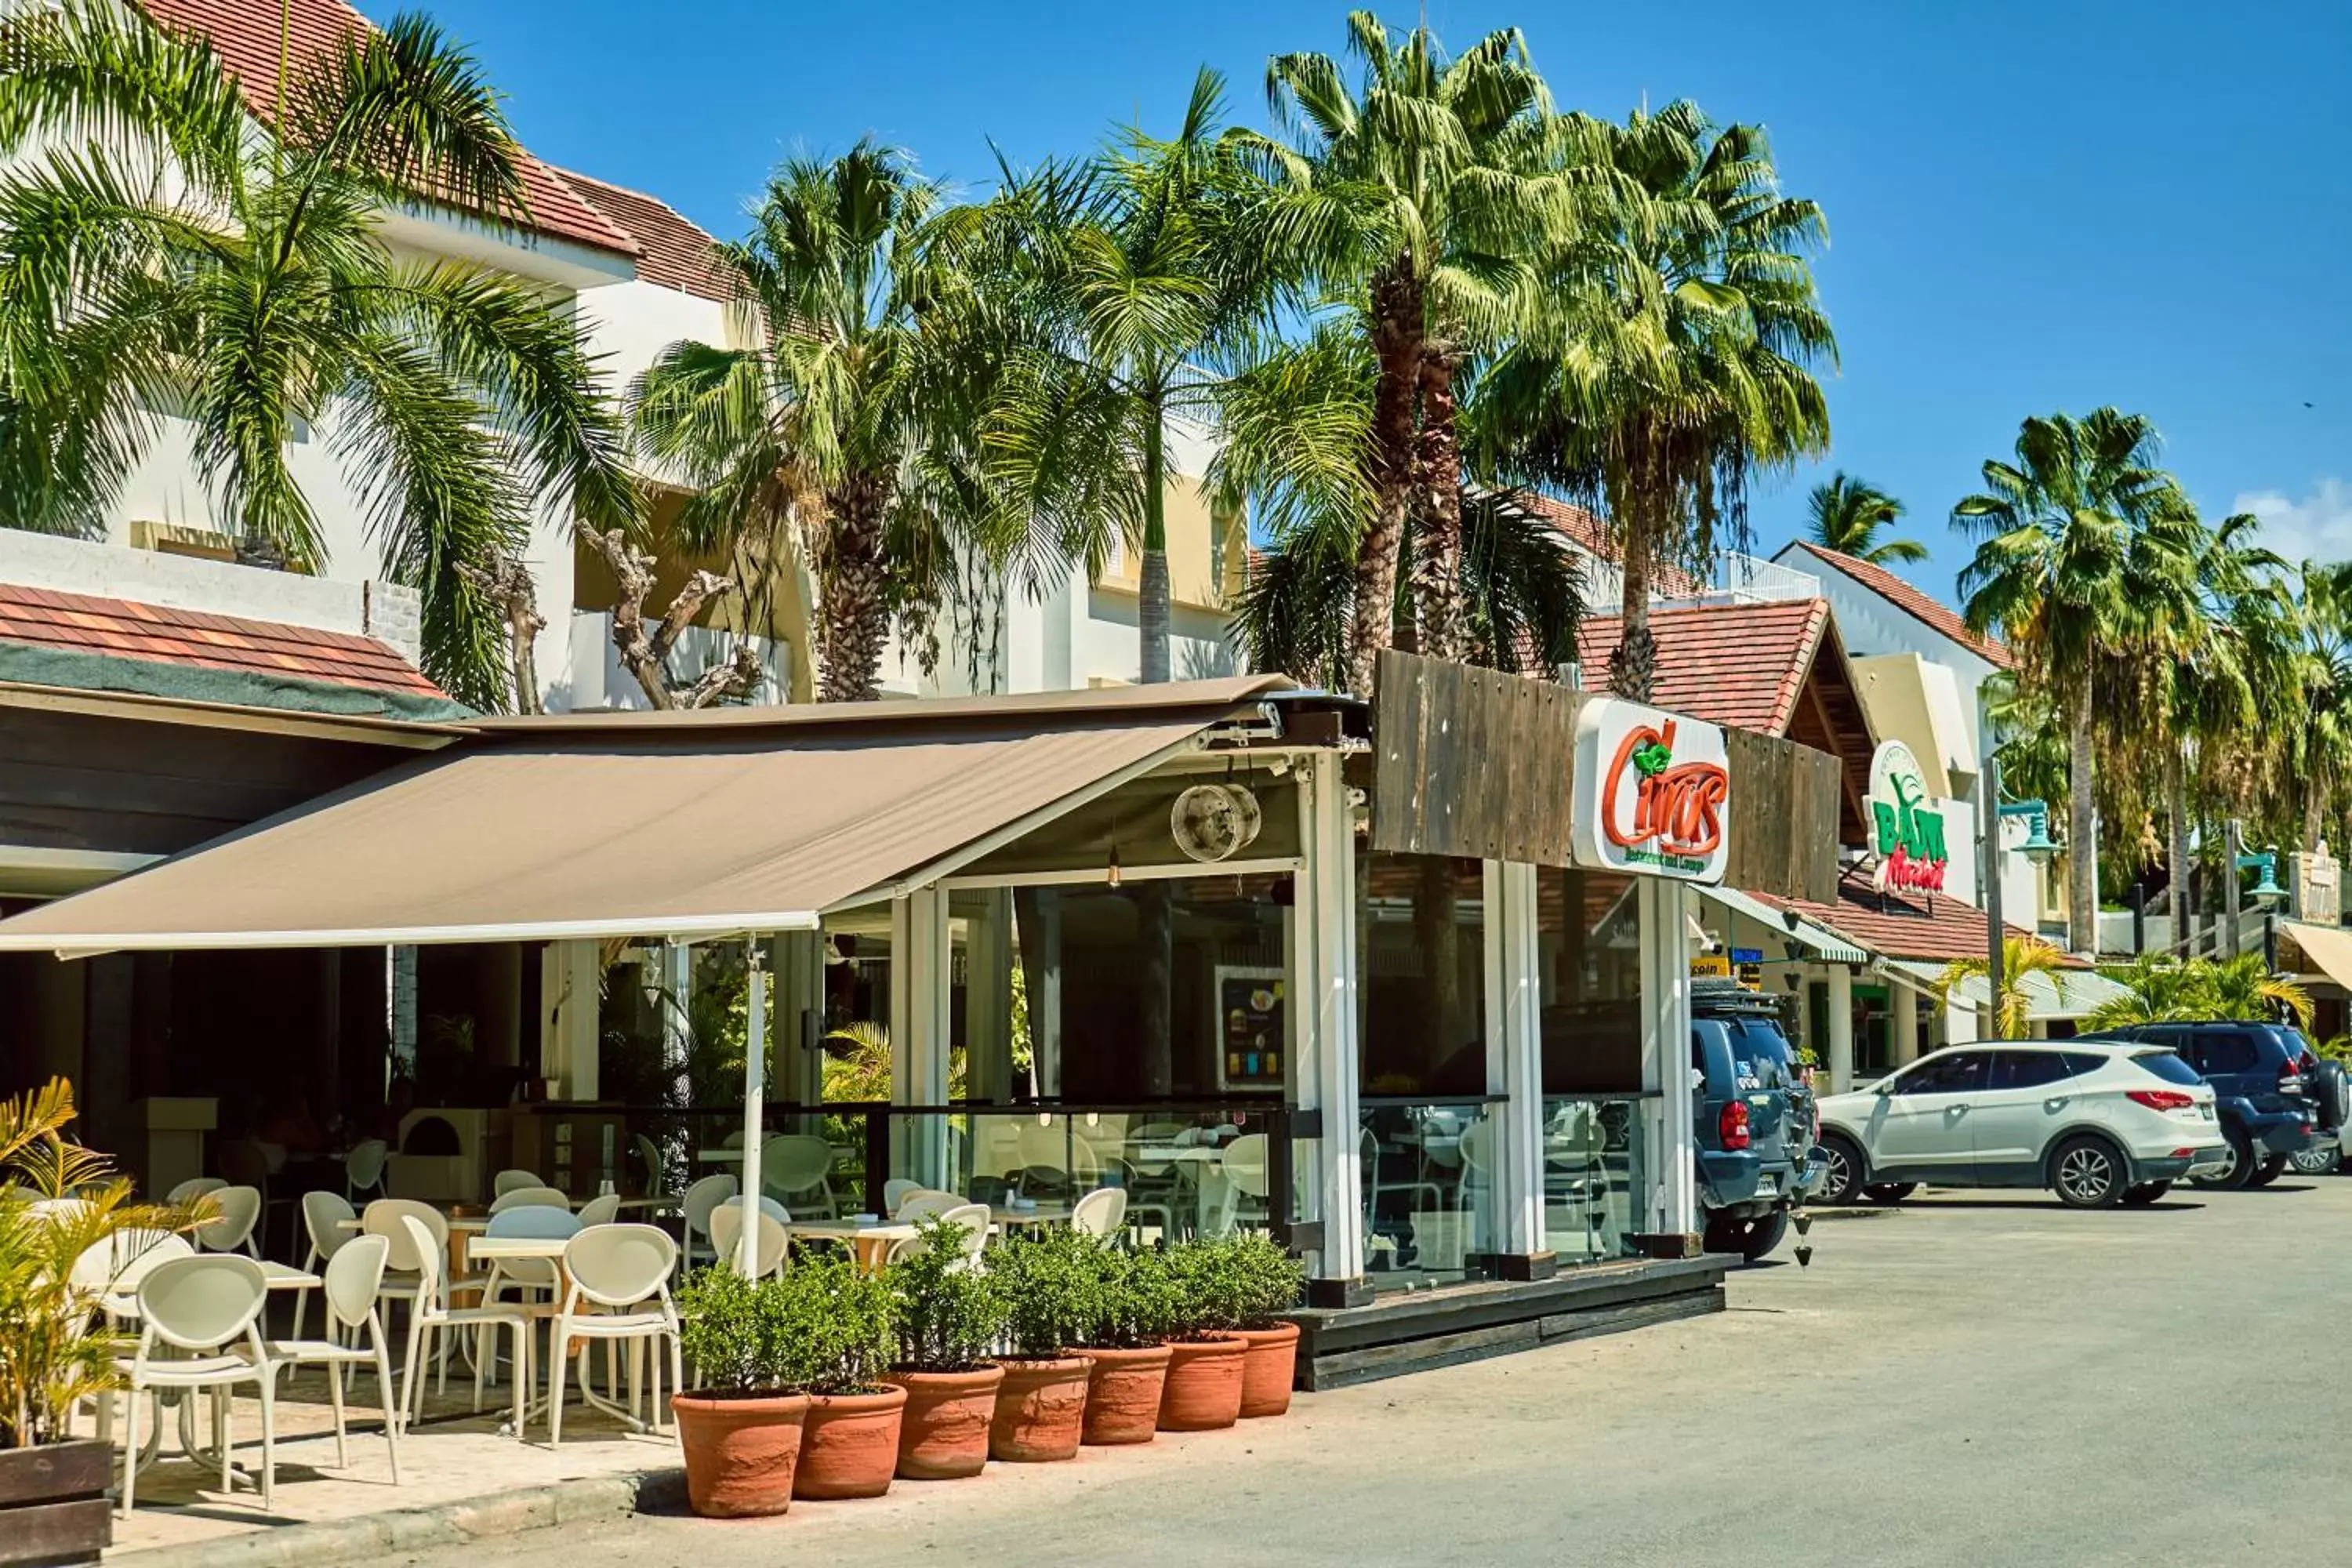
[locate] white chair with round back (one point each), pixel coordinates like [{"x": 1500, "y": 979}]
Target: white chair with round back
[
  {"x": 193, "y": 1187},
  {"x": 208, "y": 1308},
  {"x": 433, "y": 1315},
  {"x": 619, "y": 1292},
  {"x": 354, "y": 1276},
  {"x": 726, "y": 1234},
  {"x": 798, "y": 1168},
  {"x": 603, "y": 1209},
  {"x": 363, "y": 1168},
  {"x": 1240, "y": 1194},
  {"x": 240, "y": 1212},
  {"x": 897, "y": 1191},
  {"x": 506, "y": 1182},
  {"x": 324, "y": 1214},
  {"x": 532, "y": 1197},
  {"x": 1100, "y": 1213},
  {"x": 927, "y": 1201},
  {"x": 701, "y": 1198},
  {"x": 405, "y": 1272}
]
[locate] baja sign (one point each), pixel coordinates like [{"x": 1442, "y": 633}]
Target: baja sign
[
  {"x": 1653, "y": 792},
  {"x": 1907, "y": 832}
]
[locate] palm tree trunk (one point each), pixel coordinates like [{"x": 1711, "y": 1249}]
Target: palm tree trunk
[
  {"x": 1633, "y": 667},
  {"x": 853, "y": 594},
  {"x": 1397, "y": 333},
  {"x": 2081, "y": 818},
  {"x": 1437, "y": 543},
  {"x": 2175, "y": 845},
  {"x": 1151, "y": 609},
  {"x": 2315, "y": 808}
]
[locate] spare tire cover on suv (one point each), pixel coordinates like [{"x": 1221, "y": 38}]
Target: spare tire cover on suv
[{"x": 2331, "y": 1088}]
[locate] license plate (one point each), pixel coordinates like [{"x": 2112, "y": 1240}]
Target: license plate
[
  {"x": 1768, "y": 1185},
  {"x": 2205, "y": 1112}
]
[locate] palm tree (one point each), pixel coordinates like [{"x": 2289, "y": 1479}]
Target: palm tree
[
  {"x": 156, "y": 255},
  {"x": 2157, "y": 989},
  {"x": 1848, "y": 512},
  {"x": 1420, "y": 199},
  {"x": 835, "y": 428},
  {"x": 2013, "y": 1009},
  {"x": 1673, "y": 358},
  {"x": 2057, "y": 532},
  {"x": 2243, "y": 986},
  {"x": 1112, "y": 291},
  {"x": 2322, "y": 731}
]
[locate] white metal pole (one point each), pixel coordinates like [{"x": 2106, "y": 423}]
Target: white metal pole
[{"x": 755, "y": 1095}]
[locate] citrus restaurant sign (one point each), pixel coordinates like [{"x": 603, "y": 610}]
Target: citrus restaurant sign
[
  {"x": 1906, "y": 830},
  {"x": 1653, "y": 792}
]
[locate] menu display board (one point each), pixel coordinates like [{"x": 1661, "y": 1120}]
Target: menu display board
[{"x": 1250, "y": 1043}]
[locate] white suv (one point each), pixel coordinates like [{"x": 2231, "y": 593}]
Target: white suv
[{"x": 2097, "y": 1121}]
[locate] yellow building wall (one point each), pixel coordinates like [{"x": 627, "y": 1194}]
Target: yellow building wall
[{"x": 1207, "y": 550}]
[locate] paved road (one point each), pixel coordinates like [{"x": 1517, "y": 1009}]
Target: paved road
[{"x": 1970, "y": 1380}]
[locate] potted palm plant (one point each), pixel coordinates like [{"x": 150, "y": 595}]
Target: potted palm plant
[
  {"x": 949, "y": 1314},
  {"x": 740, "y": 1427},
  {"x": 1049, "y": 1287},
  {"x": 1132, "y": 1308},
  {"x": 53, "y": 1355},
  {"x": 1210, "y": 1299},
  {"x": 850, "y": 1441}
]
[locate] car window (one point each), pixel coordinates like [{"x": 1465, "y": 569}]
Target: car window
[
  {"x": 2167, "y": 1066},
  {"x": 2233, "y": 1051},
  {"x": 2081, "y": 1062},
  {"x": 2029, "y": 1069},
  {"x": 1961, "y": 1072}
]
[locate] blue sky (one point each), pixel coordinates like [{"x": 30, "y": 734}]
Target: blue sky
[{"x": 2034, "y": 204}]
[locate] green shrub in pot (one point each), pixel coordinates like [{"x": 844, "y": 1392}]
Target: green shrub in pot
[
  {"x": 1137, "y": 1301},
  {"x": 1051, "y": 1287},
  {"x": 950, "y": 1316}
]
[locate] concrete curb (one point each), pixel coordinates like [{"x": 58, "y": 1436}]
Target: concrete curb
[{"x": 372, "y": 1537}]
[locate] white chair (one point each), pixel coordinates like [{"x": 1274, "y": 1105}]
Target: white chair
[
  {"x": 1239, "y": 1195},
  {"x": 354, "y": 1275},
  {"x": 927, "y": 1201},
  {"x": 975, "y": 1220},
  {"x": 797, "y": 1167},
  {"x": 193, "y": 1187},
  {"x": 432, "y": 1315},
  {"x": 619, "y": 1293},
  {"x": 323, "y": 1217},
  {"x": 363, "y": 1168},
  {"x": 535, "y": 1278},
  {"x": 601, "y": 1210},
  {"x": 649, "y": 1155},
  {"x": 701, "y": 1198},
  {"x": 1576, "y": 1173},
  {"x": 1100, "y": 1213},
  {"x": 727, "y": 1232},
  {"x": 896, "y": 1191},
  {"x": 532, "y": 1197},
  {"x": 506, "y": 1182},
  {"x": 240, "y": 1212},
  {"x": 199, "y": 1306},
  {"x": 405, "y": 1274}
]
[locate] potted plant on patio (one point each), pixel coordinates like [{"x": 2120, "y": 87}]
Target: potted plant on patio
[
  {"x": 1050, "y": 1288},
  {"x": 1268, "y": 1282},
  {"x": 949, "y": 1314},
  {"x": 1211, "y": 1296},
  {"x": 53, "y": 1352},
  {"x": 849, "y": 1442},
  {"x": 741, "y": 1426},
  {"x": 1133, "y": 1309}
]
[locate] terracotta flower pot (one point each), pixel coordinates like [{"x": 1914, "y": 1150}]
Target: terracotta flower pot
[
  {"x": 849, "y": 1446},
  {"x": 1123, "y": 1394},
  {"x": 1203, "y": 1391},
  {"x": 739, "y": 1453},
  {"x": 1039, "y": 1410},
  {"x": 1268, "y": 1369},
  {"x": 945, "y": 1433}
]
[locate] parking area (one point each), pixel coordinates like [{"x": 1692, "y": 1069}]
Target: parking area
[{"x": 1983, "y": 1377}]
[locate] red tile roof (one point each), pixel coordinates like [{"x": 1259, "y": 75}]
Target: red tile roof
[
  {"x": 245, "y": 35},
  {"x": 671, "y": 250},
  {"x": 1895, "y": 925},
  {"x": 124, "y": 628},
  {"x": 1741, "y": 665},
  {"x": 1591, "y": 534},
  {"x": 1938, "y": 616}
]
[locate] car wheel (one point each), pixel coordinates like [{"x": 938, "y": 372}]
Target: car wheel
[
  {"x": 1843, "y": 1167},
  {"x": 2272, "y": 1168},
  {"x": 1751, "y": 1237},
  {"x": 2145, "y": 1194},
  {"x": 1889, "y": 1192},
  {"x": 2087, "y": 1172},
  {"x": 2233, "y": 1175},
  {"x": 2320, "y": 1161}
]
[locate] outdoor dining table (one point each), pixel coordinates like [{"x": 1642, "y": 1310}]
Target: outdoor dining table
[
  {"x": 461, "y": 1225},
  {"x": 869, "y": 1242}
]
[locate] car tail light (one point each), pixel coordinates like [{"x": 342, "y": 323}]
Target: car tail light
[
  {"x": 2291, "y": 1079},
  {"x": 2160, "y": 1098},
  {"x": 1733, "y": 1125}
]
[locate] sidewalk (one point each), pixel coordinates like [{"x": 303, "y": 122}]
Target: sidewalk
[{"x": 452, "y": 1459}]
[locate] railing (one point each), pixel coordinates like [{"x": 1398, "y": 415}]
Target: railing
[
  {"x": 1428, "y": 1171},
  {"x": 1740, "y": 580},
  {"x": 1596, "y": 1170}
]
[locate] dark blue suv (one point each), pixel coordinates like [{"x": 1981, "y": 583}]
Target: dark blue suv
[
  {"x": 1756, "y": 1146},
  {"x": 2276, "y": 1098}
]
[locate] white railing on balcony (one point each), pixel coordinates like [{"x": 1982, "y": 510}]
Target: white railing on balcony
[
  {"x": 599, "y": 682},
  {"x": 1738, "y": 580}
]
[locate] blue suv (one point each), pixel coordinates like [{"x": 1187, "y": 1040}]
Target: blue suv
[
  {"x": 2275, "y": 1097},
  {"x": 1758, "y": 1154}
]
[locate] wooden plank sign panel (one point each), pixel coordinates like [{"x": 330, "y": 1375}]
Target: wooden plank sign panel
[
  {"x": 1783, "y": 835},
  {"x": 1471, "y": 763}
]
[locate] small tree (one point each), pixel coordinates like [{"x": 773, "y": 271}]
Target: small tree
[{"x": 646, "y": 654}]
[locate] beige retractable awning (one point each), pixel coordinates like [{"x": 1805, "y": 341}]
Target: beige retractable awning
[
  {"x": 657, "y": 823},
  {"x": 2327, "y": 949}
]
